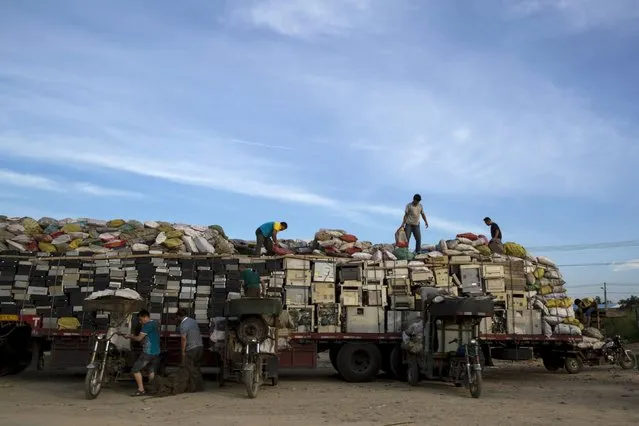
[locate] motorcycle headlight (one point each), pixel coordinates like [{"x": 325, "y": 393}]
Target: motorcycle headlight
[{"x": 473, "y": 342}]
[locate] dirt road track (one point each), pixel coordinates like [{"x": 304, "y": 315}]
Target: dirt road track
[{"x": 514, "y": 394}]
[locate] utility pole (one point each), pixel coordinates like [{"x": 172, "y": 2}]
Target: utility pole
[{"x": 605, "y": 289}]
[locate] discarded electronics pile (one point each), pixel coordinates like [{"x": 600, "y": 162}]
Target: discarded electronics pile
[
  {"x": 100, "y": 236},
  {"x": 359, "y": 288}
]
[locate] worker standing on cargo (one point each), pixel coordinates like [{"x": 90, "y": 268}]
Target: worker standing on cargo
[
  {"x": 150, "y": 356},
  {"x": 584, "y": 309},
  {"x": 266, "y": 236},
  {"x": 495, "y": 243},
  {"x": 192, "y": 350},
  {"x": 411, "y": 221},
  {"x": 251, "y": 278}
]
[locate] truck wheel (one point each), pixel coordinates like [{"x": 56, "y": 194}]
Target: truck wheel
[
  {"x": 359, "y": 362},
  {"x": 573, "y": 365},
  {"x": 397, "y": 364},
  {"x": 333, "y": 351},
  {"x": 552, "y": 363}
]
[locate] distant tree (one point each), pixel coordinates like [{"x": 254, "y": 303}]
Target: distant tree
[{"x": 629, "y": 303}]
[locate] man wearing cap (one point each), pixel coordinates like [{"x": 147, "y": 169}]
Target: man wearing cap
[{"x": 410, "y": 223}]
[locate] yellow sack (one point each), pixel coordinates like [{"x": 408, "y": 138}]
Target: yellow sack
[
  {"x": 75, "y": 244},
  {"x": 115, "y": 223},
  {"x": 574, "y": 321},
  {"x": 514, "y": 249},
  {"x": 71, "y": 227},
  {"x": 68, "y": 323},
  {"x": 553, "y": 303},
  {"x": 544, "y": 290},
  {"x": 46, "y": 247},
  {"x": 31, "y": 227},
  {"x": 165, "y": 228},
  {"x": 565, "y": 303},
  {"x": 539, "y": 273},
  {"x": 174, "y": 234},
  {"x": 173, "y": 243}
]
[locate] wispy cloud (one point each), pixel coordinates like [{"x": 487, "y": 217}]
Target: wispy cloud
[
  {"x": 305, "y": 18},
  {"x": 579, "y": 15},
  {"x": 43, "y": 183},
  {"x": 630, "y": 265}
]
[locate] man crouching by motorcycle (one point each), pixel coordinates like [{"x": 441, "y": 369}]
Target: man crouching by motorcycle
[{"x": 150, "y": 356}]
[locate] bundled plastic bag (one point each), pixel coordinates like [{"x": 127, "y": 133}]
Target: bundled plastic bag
[{"x": 400, "y": 238}]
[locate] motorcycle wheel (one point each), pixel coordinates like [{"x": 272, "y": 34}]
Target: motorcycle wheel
[
  {"x": 413, "y": 373},
  {"x": 251, "y": 381},
  {"x": 627, "y": 360},
  {"x": 92, "y": 384},
  {"x": 573, "y": 365},
  {"x": 475, "y": 385}
]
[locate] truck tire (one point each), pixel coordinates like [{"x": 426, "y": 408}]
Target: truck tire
[
  {"x": 359, "y": 362},
  {"x": 552, "y": 363},
  {"x": 573, "y": 365},
  {"x": 397, "y": 364},
  {"x": 15, "y": 349},
  {"x": 333, "y": 351}
]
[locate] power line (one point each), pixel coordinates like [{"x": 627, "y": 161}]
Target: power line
[
  {"x": 575, "y": 265},
  {"x": 607, "y": 283}
]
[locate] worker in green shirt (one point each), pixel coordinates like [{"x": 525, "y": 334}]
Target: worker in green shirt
[{"x": 252, "y": 287}]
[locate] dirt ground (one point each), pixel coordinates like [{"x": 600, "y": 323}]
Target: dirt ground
[{"x": 514, "y": 394}]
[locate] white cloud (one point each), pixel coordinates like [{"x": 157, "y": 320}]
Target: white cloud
[
  {"x": 100, "y": 191},
  {"x": 43, "y": 183},
  {"x": 579, "y": 15},
  {"x": 23, "y": 180},
  {"x": 306, "y": 18},
  {"x": 629, "y": 265}
]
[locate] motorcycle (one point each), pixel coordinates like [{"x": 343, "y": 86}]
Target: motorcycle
[
  {"x": 465, "y": 367},
  {"x": 105, "y": 366},
  {"x": 614, "y": 352}
]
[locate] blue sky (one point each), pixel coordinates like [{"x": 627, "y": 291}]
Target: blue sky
[{"x": 331, "y": 114}]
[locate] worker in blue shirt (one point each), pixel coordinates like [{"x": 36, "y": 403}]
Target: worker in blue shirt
[
  {"x": 150, "y": 356},
  {"x": 266, "y": 236}
]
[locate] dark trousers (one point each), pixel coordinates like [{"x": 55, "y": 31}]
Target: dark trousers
[
  {"x": 192, "y": 364},
  {"x": 252, "y": 292},
  {"x": 496, "y": 246},
  {"x": 417, "y": 232},
  {"x": 262, "y": 241}
]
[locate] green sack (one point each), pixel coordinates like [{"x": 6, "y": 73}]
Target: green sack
[
  {"x": 403, "y": 253},
  {"x": 115, "y": 223},
  {"x": 172, "y": 243},
  {"x": 514, "y": 249}
]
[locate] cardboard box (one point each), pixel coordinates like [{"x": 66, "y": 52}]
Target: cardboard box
[
  {"x": 364, "y": 319},
  {"x": 460, "y": 260},
  {"x": 516, "y": 301}
]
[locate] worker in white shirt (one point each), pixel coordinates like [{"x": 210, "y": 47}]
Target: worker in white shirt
[{"x": 410, "y": 223}]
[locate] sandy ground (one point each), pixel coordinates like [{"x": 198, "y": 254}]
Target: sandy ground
[{"x": 514, "y": 394}]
